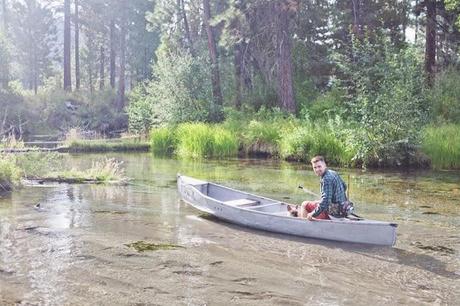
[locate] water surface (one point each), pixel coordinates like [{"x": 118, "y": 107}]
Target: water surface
[{"x": 72, "y": 249}]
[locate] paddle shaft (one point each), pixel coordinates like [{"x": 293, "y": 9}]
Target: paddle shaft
[{"x": 308, "y": 191}]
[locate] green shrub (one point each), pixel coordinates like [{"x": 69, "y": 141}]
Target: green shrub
[
  {"x": 442, "y": 145},
  {"x": 387, "y": 102},
  {"x": 445, "y": 97},
  {"x": 305, "y": 141},
  {"x": 9, "y": 173},
  {"x": 162, "y": 140},
  {"x": 262, "y": 137}
]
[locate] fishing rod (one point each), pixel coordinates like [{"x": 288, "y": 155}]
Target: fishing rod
[
  {"x": 308, "y": 191},
  {"x": 317, "y": 195}
]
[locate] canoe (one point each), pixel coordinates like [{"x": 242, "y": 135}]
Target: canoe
[{"x": 271, "y": 215}]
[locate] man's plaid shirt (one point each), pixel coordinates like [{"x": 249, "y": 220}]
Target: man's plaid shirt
[{"x": 333, "y": 190}]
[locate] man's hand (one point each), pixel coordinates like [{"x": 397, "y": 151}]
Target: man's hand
[{"x": 310, "y": 216}]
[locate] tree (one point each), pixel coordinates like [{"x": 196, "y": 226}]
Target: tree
[
  {"x": 34, "y": 37},
  {"x": 216, "y": 113},
  {"x": 67, "y": 59},
  {"x": 284, "y": 11},
  {"x": 77, "y": 47},
  {"x": 430, "y": 41},
  {"x": 5, "y": 58}
]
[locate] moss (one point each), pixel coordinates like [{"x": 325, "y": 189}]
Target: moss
[{"x": 142, "y": 246}]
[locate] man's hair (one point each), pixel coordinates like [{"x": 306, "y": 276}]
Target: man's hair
[{"x": 317, "y": 158}]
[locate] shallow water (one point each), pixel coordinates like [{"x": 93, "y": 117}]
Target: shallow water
[{"x": 73, "y": 248}]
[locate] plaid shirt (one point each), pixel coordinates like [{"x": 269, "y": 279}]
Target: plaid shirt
[{"x": 333, "y": 190}]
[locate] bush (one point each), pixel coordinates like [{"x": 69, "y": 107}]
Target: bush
[
  {"x": 305, "y": 141},
  {"x": 9, "y": 173},
  {"x": 387, "y": 103},
  {"x": 442, "y": 145},
  {"x": 445, "y": 97}
]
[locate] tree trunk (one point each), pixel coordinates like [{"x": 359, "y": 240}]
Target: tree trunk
[
  {"x": 356, "y": 20},
  {"x": 77, "y": 48},
  {"x": 6, "y": 67},
  {"x": 5, "y": 17},
  {"x": 121, "y": 78},
  {"x": 216, "y": 109},
  {"x": 186, "y": 27},
  {"x": 430, "y": 46},
  {"x": 283, "y": 60},
  {"x": 112, "y": 53},
  {"x": 238, "y": 78},
  {"x": 67, "y": 68},
  {"x": 101, "y": 69},
  {"x": 416, "y": 24}
]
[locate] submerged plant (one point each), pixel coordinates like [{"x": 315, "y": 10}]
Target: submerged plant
[{"x": 142, "y": 246}]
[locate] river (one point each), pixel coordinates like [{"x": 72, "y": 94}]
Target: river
[{"x": 72, "y": 249}]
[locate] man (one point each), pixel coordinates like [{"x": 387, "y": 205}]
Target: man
[{"x": 333, "y": 196}]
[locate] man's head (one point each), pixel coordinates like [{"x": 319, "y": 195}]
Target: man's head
[{"x": 319, "y": 165}]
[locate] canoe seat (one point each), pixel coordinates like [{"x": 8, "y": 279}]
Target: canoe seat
[{"x": 242, "y": 202}]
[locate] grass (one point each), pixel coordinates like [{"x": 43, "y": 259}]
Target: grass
[
  {"x": 107, "y": 145},
  {"x": 442, "y": 145},
  {"x": 108, "y": 170},
  {"x": 162, "y": 141},
  {"x": 198, "y": 140}
]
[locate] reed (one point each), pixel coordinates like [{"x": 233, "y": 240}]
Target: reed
[
  {"x": 200, "y": 140},
  {"x": 162, "y": 141},
  {"x": 262, "y": 137},
  {"x": 107, "y": 170},
  {"x": 442, "y": 145},
  {"x": 225, "y": 143},
  {"x": 303, "y": 142}
]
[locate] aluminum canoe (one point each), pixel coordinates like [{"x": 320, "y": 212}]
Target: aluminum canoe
[{"x": 271, "y": 215}]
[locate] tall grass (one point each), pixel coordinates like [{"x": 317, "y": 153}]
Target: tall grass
[
  {"x": 442, "y": 145},
  {"x": 262, "y": 137},
  {"x": 198, "y": 140},
  {"x": 162, "y": 140},
  {"x": 304, "y": 142}
]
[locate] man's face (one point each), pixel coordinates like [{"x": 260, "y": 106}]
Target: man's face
[{"x": 319, "y": 167}]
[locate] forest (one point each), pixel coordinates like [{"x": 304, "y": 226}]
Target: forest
[{"x": 366, "y": 83}]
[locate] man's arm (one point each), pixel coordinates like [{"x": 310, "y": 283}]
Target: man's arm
[{"x": 326, "y": 197}]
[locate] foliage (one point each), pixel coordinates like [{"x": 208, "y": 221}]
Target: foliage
[
  {"x": 387, "y": 100},
  {"x": 34, "y": 33},
  {"x": 9, "y": 172},
  {"x": 37, "y": 164},
  {"x": 445, "y": 97},
  {"x": 181, "y": 90},
  {"x": 140, "y": 110},
  {"x": 452, "y": 5},
  {"x": 304, "y": 141},
  {"x": 442, "y": 145}
]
